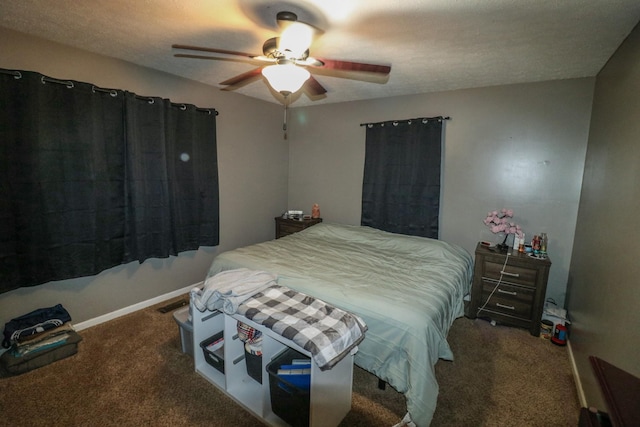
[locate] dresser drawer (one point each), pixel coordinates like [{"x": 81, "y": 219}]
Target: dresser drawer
[
  {"x": 512, "y": 273},
  {"x": 512, "y": 300}
]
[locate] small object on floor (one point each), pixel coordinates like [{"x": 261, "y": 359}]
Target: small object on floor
[
  {"x": 546, "y": 329},
  {"x": 170, "y": 307},
  {"x": 560, "y": 335},
  {"x": 493, "y": 323}
]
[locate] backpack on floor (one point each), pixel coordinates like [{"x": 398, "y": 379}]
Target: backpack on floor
[{"x": 33, "y": 323}]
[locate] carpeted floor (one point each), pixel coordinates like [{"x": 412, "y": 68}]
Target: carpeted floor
[{"x": 131, "y": 372}]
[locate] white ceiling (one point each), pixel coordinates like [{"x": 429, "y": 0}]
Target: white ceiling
[{"x": 432, "y": 45}]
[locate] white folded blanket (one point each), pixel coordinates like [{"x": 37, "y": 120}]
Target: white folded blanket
[{"x": 227, "y": 289}]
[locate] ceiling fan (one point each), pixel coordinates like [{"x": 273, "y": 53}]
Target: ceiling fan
[{"x": 285, "y": 60}]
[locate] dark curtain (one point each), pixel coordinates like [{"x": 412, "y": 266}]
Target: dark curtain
[
  {"x": 60, "y": 148},
  {"x": 147, "y": 210},
  {"x": 401, "y": 186},
  {"x": 193, "y": 177},
  {"x": 90, "y": 179},
  {"x": 172, "y": 178}
]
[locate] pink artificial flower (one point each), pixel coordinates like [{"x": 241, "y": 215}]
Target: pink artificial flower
[{"x": 499, "y": 222}]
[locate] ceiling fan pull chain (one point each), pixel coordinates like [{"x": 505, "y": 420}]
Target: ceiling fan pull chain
[{"x": 284, "y": 124}]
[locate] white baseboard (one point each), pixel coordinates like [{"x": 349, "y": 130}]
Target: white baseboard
[
  {"x": 132, "y": 308},
  {"x": 576, "y": 377}
]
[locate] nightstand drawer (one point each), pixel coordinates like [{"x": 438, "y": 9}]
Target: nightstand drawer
[
  {"x": 285, "y": 226},
  {"x": 512, "y": 273},
  {"x": 290, "y": 227},
  {"x": 512, "y": 300}
]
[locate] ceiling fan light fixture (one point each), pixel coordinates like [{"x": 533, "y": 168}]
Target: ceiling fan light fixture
[
  {"x": 285, "y": 78},
  {"x": 295, "y": 40}
]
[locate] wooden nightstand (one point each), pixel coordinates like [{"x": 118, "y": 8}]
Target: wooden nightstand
[
  {"x": 284, "y": 227},
  {"x": 516, "y": 292}
]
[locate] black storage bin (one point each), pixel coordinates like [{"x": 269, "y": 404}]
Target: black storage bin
[
  {"x": 214, "y": 358},
  {"x": 288, "y": 401},
  {"x": 254, "y": 365}
]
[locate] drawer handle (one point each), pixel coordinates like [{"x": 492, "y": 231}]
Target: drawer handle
[
  {"x": 510, "y": 307},
  {"x": 505, "y": 273},
  {"x": 507, "y": 292}
]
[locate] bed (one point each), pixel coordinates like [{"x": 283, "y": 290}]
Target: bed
[{"x": 408, "y": 290}]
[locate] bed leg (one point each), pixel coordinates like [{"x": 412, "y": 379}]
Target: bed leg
[{"x": 381, "y": 384}]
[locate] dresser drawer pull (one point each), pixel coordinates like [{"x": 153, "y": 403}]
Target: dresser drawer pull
[
  {"x": 510, "y": 274},
  {"x": 510, "y": 307},
  {"x": 507, "y": 292}
]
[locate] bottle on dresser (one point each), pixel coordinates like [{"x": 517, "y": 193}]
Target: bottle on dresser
[
  {"x": 516, "y": 243},
  {"x": 543, "y": 244},
  {"x": 535, "y": 244}
]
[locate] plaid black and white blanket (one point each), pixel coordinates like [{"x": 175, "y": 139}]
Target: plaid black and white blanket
[{"x": 327, "y": 332}]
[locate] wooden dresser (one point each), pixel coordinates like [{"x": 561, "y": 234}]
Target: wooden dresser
[
  {"x": 621, "y": 392},
  {"x": 513, "y": 295},
  {"x": 284, "y": 227}
]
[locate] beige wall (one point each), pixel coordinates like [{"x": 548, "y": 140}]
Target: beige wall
[
  {"x": 519, "y": 146},
  {"x": 252, "y": 157},
  {"x": 605, "y": 270}
]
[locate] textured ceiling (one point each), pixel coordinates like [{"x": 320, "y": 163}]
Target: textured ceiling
[{"x": 432, "y": 45}]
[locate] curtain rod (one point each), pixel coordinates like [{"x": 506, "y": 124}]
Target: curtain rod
[
  {"x": 113, "y": 92},
  {"x": 67, "y": 83},
  {"x": 395, "y": 122}
]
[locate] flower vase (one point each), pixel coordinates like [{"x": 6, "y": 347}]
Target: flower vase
[{"x": 503, "y": 247}]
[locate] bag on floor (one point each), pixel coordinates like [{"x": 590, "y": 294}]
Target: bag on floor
[
  {"x": 12, "y": 363},
  {"x": 33, "y": 323}
]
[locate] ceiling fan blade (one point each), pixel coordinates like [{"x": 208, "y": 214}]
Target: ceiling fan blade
[
  {"x": 313, "y": 88},
  {"x": 354, "y": 66},
  {"x": 256, "y": 60},
  {"x": 213, "y": 50},
  {"x": 309, "y": 62},
  {"x": 242, "y": 79}
]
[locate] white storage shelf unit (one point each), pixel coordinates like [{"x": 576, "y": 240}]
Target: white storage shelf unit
[{"x": 330, "y": 393}]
